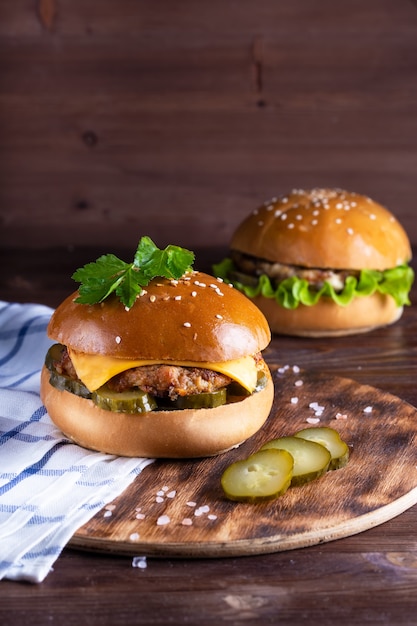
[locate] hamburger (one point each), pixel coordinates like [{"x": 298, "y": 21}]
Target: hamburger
[
  {"x": 175, "y": 371},
  {"x": 320, "y": 263}
]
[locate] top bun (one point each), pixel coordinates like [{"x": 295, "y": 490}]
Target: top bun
[
  {"x": 195, "y": 318},
  {"x": 324, "y": 228}
]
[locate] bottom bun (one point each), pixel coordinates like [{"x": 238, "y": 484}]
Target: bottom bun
[
  {"x": 328, "y": 319},
  {"x": 185, "y": 433}
]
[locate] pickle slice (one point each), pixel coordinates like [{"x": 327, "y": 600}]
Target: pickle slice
[
  {"x": 264, "y": 475},
  {"x": 131, "y": 401},
  {"x": 65, "y": 383},
  {"x": 53, "y": 355},
  {"x": 330, "y": 439},
  {"x": 235, "y": 391},
  {"x": 311, "y": 460},
  {"x": 203, "y": 400}
]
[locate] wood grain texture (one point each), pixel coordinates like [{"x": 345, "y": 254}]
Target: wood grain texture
[
  {"x": 379, "y": 483},
  {"x": 119, "y": 121}
]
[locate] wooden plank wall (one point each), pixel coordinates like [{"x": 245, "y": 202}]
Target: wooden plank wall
[{"x": 175, "y": 118}]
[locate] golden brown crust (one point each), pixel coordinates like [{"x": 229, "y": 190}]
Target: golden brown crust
[
  {"x": 184, "y": 433},
  {"x": 324, "y": 228},
  {"x": 328, "y": 319},
  {"x": 197, "y": 318}
]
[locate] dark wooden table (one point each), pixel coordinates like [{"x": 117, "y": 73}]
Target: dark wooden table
[{"x": 369, "y": 578}]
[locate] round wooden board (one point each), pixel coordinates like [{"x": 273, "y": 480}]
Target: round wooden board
[{"x": 379, "y": 483}]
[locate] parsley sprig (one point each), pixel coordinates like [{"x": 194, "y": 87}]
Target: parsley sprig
[{"x": 110, "y": 274}]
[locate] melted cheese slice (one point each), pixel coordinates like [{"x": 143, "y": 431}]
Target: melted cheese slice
[{"x": 95, "y": 369}]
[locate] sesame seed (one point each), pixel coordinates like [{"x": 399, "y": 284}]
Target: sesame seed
[
  {"x": 314, "y": 222},
  {"x": 298, "y": 383},
  {"x": 187, "y": 324},
  {"x": 152, "y": 298},
  {"x": 338, "y": 220},
  {"x": 193, "y": 293},
  {"x": 372, "y": 216},
  {"x": 177, "y": 298},
  {"x": 349, "y": 231},
  {"x": 284, "y": 216},
  {"x": 118, "y": 339},
  {"x": 290, "y": 225},
  {"x": 219, "y": 317}
]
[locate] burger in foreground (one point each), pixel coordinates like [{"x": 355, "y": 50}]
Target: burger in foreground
[
  {"x": 323, "y": 262},
  {"x": 154, "y": 359}
]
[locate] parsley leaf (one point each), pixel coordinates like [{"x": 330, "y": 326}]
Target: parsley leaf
[{"x": 110, "y": 274}]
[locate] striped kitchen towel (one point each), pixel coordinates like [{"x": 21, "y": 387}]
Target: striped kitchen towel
[{"x": 49, "y": 487}]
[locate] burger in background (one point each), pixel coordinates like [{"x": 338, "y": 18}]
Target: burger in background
[{"x": 323, "y": 262}]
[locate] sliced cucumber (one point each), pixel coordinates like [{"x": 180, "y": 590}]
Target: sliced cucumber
[
  {"x": 201, "y": 400},
  {"x": 330, "y": 439},
  {"x": 53, "y": 355},
  {"x": 132, "y": 401},
  {"x": 264, "y": 475},
  {"x": 311, "y": 460},
  {"x": 65, "y": 383}
]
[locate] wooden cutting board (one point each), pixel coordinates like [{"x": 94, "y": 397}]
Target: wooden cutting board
[{"x": 177, "y": 508}]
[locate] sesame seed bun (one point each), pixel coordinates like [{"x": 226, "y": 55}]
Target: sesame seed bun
[
  {"x": 326, "y": 229},
  {"x": 197, "y": 318}
]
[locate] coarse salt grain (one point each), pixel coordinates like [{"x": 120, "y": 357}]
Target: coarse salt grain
[
  {"x": 367, "y": 409},
  {"x": 107, "y": 514},
  {"x": 163, "y": 520},
  {"x": 298, "y": 383},
  {"x": 134, "y": 537},
  {"x": 140, "y": 562},
  {"x": 341, "y": 416},
  {"x": 294, "y": 400},
  {"x": 171, "y": 494},
  {"x": 159, "y": 499},
  {"x": 140, "y": 516},
  {"x": 295, "y": 369},
  {"x": 191, "y": 503},
  {"x": 187, "y": 521},
  {"x": 312, "y": 420},
  {"x": 187, "y": 324},
  {"x": 118, "y": 339},
  {"x": 212, "y": 516}
]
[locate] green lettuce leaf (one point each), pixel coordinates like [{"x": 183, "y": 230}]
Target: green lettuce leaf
[{"x": 292, "y": 292}]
